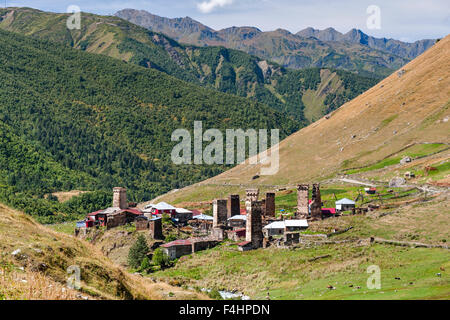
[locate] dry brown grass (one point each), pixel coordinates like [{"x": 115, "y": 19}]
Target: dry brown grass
[
  {"x": 396, "y": 112},
  {"x": 65, "y": 196},
  {"x": 100, "y": 278},
  {"x": 28, "y": 285}
]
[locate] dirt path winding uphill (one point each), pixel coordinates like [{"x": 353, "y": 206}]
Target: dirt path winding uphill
[{"x": 353, "y": 181}]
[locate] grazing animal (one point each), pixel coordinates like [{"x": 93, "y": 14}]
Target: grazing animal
[{"x": 428, "y": 169}]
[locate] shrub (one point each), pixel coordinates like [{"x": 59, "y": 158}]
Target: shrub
[
  {"x": 145, "y": 264},
  {"x": 171, "y": 237},
  {"x": 160, "y": 259}
]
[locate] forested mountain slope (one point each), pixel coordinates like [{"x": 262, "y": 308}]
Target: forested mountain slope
[
  {"x": 305, "y": 95},
  {"x": 353, "y": 51},
  {"x": 71, "y": 119}
]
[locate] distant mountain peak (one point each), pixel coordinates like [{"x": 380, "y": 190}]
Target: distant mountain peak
[
  {"x": 283, "y": 31},
  {"x": 328, "y": 34},
  {"x": 188, "y": 30}
]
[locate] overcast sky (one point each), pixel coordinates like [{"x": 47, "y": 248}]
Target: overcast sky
[{"x": 400, "y": 19}]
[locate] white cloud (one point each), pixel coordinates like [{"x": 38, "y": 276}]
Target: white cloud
[{"x": 208, "y": 6}]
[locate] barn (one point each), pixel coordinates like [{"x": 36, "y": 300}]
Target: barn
[{"x": 345, "y": 205}]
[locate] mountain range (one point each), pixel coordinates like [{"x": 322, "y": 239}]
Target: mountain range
[
  {"x": 305, "y": 95},
  {"x": 71, "y": 119},
  {"x": 353, "y": 51}
]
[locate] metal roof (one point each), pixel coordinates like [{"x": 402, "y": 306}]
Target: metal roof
[
  {"x": 240, "y": 217},
  {"x": 345, "y": 201},
  {"x": 133, "y": 211},
  {"x": 159, "y": 206},
  {"x": 203, "y": 217},
  {"x": 183, "y": 210},
  {"x": 329, "y": 210},
  {"x": 287, "y": 223},
  {"x": 164, "y": 206},
  {"x": 187, "y": 242}
]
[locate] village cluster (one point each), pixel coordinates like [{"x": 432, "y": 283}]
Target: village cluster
[{"x": 255, "y": 226}]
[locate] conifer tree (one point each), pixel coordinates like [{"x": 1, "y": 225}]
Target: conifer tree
[{"x": 138, "y": 252}]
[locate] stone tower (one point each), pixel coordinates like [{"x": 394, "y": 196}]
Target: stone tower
[
  {"x": 120, "y": 198},
  {"x": 233, "y": 206},
  {"x": 254, "y": 232},
  {"x": 302, "y": 201},
  {"x": 316, "y": 203},
  {"x": 219, "y": 213},
  {"x": 251, "y": 195},
  {"x": 155, "y": 226},
  {"x": 269, "y": 211}
]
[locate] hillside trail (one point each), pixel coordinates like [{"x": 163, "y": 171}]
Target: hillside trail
[{"x": 357, "y": 182}]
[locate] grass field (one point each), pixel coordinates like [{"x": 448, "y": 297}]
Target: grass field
[
  {"x": 306, "y": 272},
  {"x": 290, "y": 274},
  {"x": 414, "y": 152}
]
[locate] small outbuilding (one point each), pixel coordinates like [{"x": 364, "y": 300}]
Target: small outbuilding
[
  {"x": 345, "y": 205},
  {"x": 237, "y": 234},
  {"x": 182, "y": 215},
  {"x": 160, "y": 209},
  {"x": 245, "y": 246},
  {"x": 280, "y": 227},
  {"x": 141, "y": 223},
  {"x": 239, "y": 221},
  {"x": 177, "y": 248}
]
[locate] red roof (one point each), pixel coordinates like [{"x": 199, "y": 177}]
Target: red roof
[
  {"x": 329, "y": 210},
  {"x": 94, "y": 213},
  {"x": 187, "y": 242},
  {"x": 196, "y": 213},
  {"x": 133, "y": 211},
  {"x": 240, "y": 232}
]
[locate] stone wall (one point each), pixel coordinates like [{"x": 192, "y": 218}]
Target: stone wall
[
  {"x": 270, "y": 205},
  {"x": 316, "y": 203},
  {"x": 120, "y": 198},
  {"x": 233, "y": 206},
  {"x": 199, "y": 245},
  {"x": 219, "y": 213},
  {"x": 302, "y": 201},
  {"x": 116, "y": 219},
  {"x": 141, "y": 224},
  {"x": 155, "y": 227},
  {"x": 254, "y": 232},
  {"x": 218, "y": 234},
  {"x": 251, "y": 195}
]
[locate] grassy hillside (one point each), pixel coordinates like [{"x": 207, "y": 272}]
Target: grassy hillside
[
  {"x": 38, "y": 267},
  {"x": 218, "y": 68},
  {"x": 302, "y": 274},
  {"x": 75, "y": 120},
  {"x": 404, "y": 109},
  {"x": 341, "y": 261}
]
